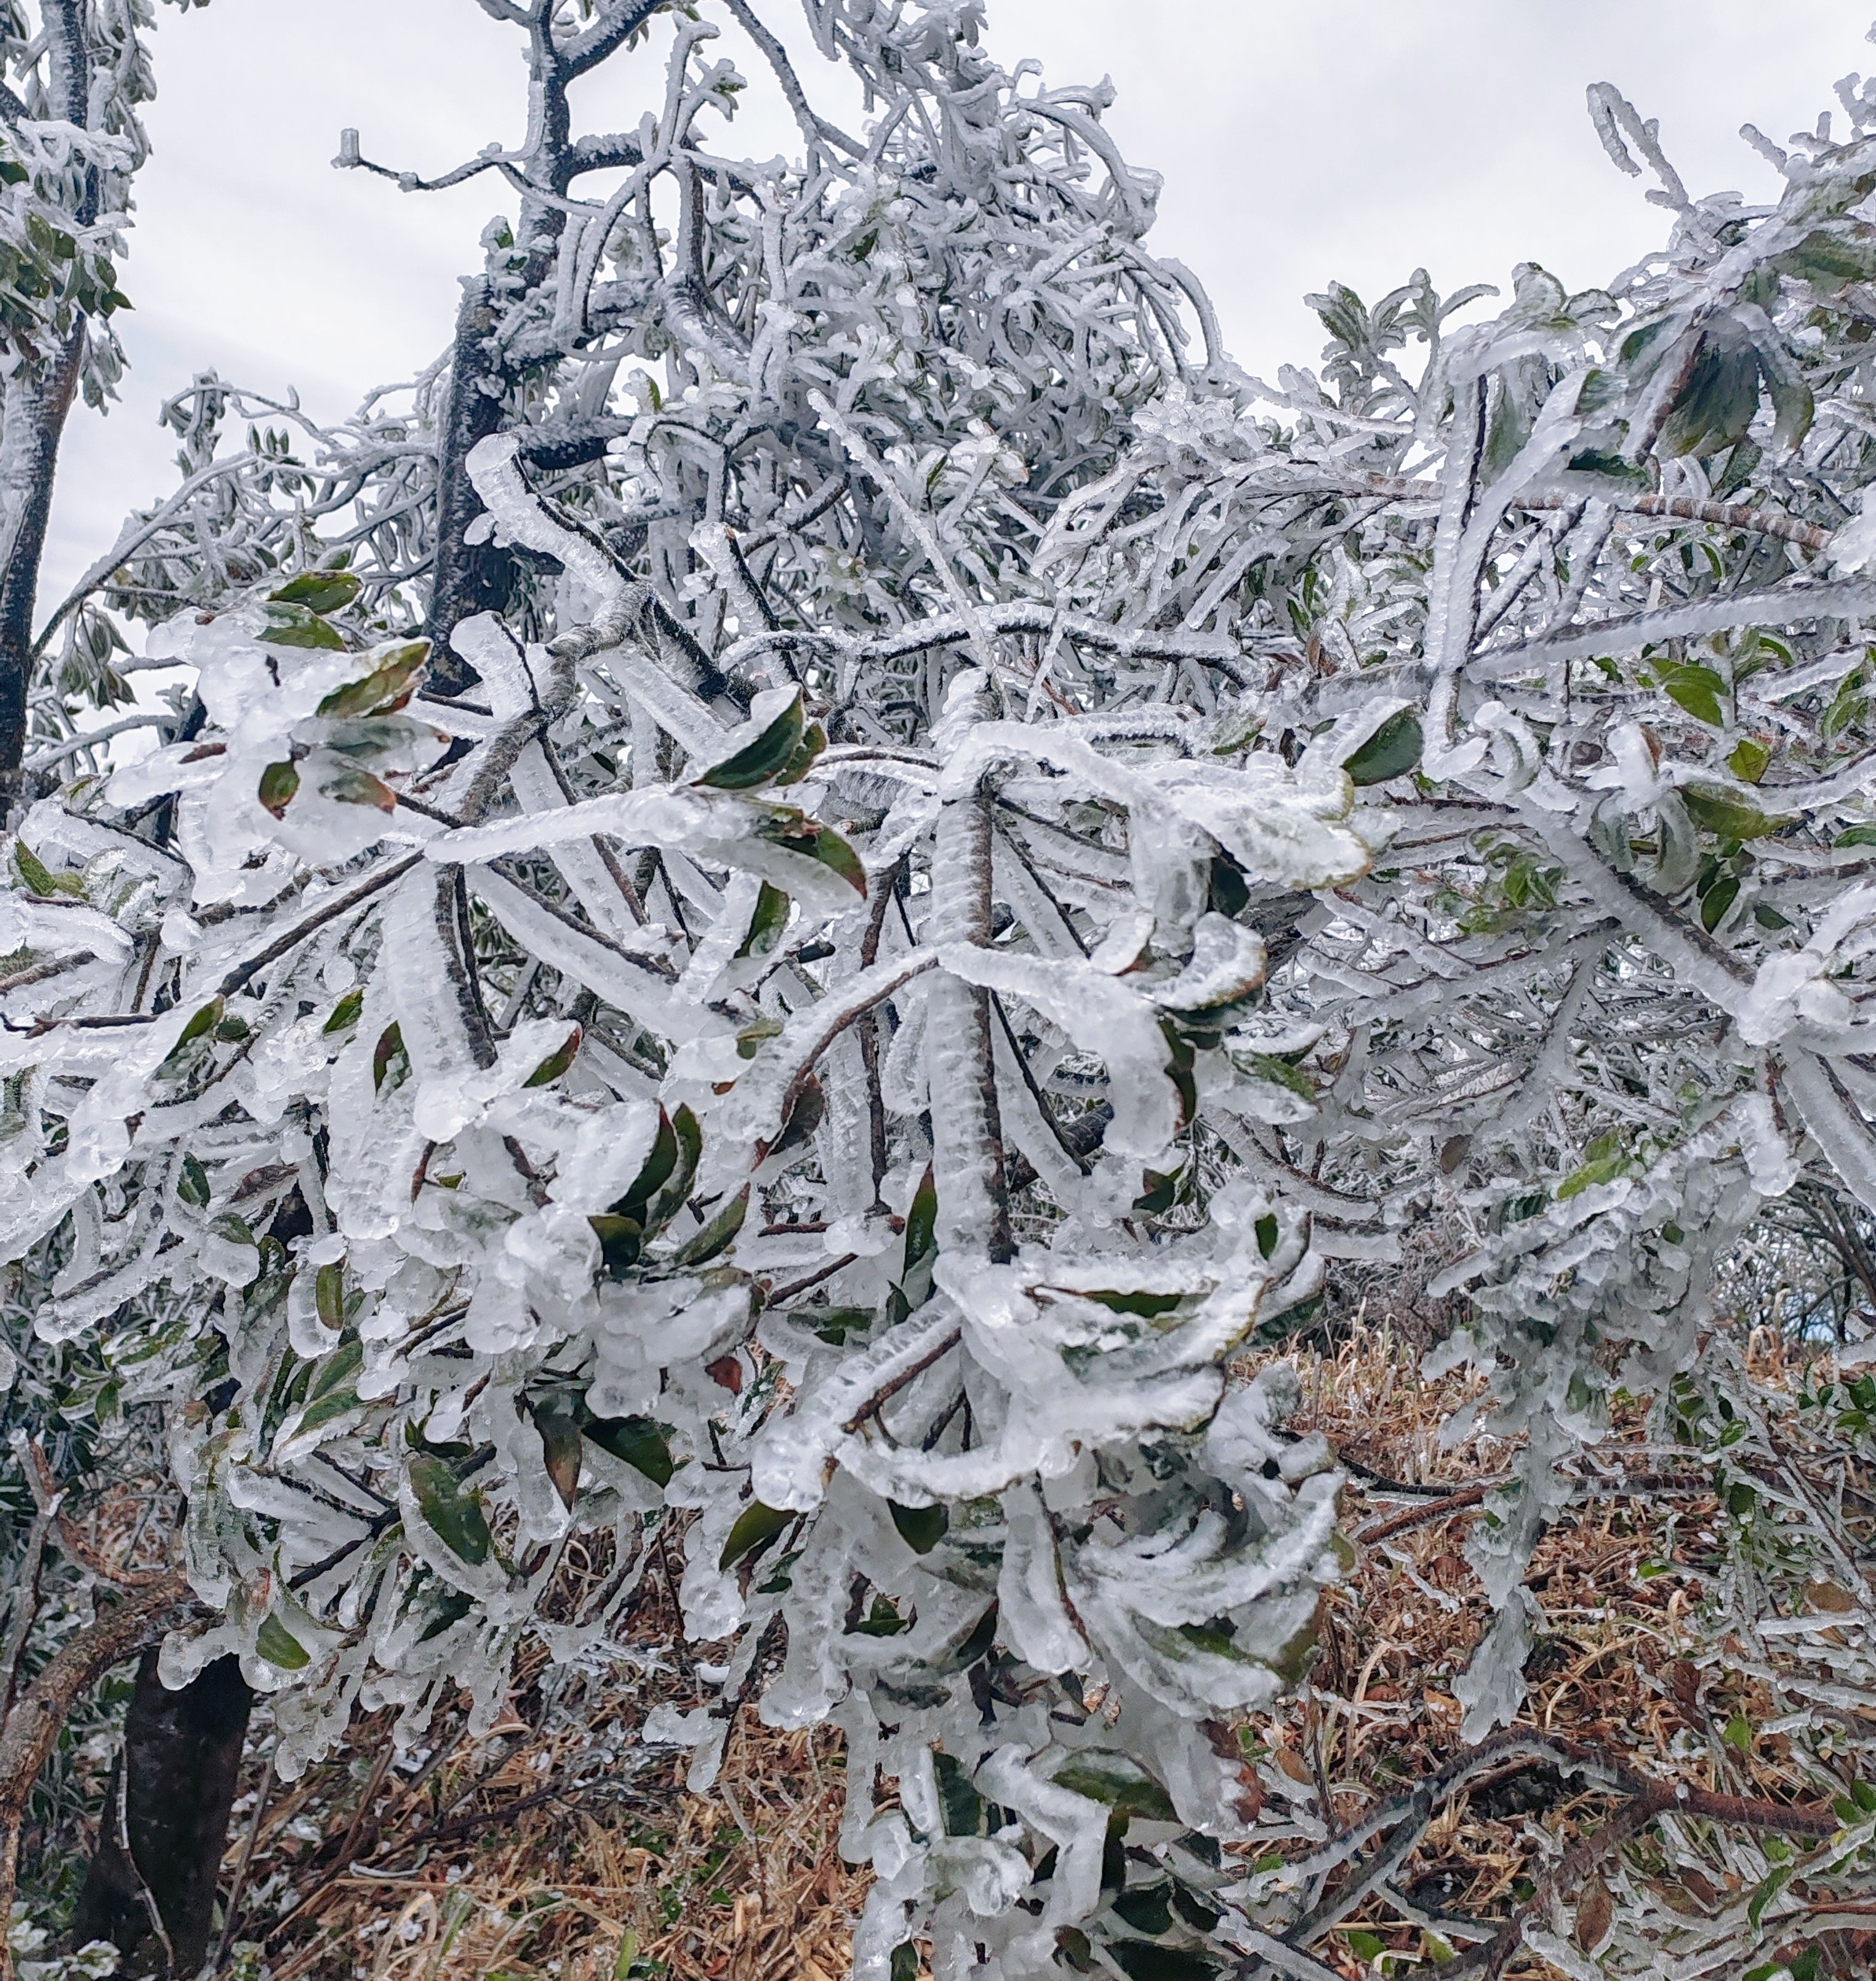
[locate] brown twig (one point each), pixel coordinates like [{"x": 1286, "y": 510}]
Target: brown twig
[
  {"x": 230, "y": 1909},
  {"x": 944, "y": 1344},
  {"x": 1649, "y": 1799},
  {"x": 46, "y": 1494},
  {"x": 31, "y": 1729},
  {"x": 1469, "y": 1499}
]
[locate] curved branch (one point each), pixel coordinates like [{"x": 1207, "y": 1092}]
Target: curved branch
[{"x": 32, "y": 1728}]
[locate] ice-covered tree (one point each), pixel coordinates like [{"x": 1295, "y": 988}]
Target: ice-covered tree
[
  {"x": 72, "y": 74},
  {"x": 784, "y": 905},
  {"x": 696, "y": 1056}
]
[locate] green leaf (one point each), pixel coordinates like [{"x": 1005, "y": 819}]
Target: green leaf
[
  {"x": 964, "y": 1809},
  {"x": 1266, "y": 1228},
  {"x": 806, "y": 1111},
  {"x": 1368, "y": 1946},
  {"x": 1599, "y": 460},
  {"x": 350, "y": 786},
  {"x": 652, "y": 1172},
  {"x": 814, "y": 740},
  {"x": 635, "y": 1441},
  {"x": 766, "y": 753},
  {"x": 1849, "y": 706},
  {"x": 1074, "y": 1949},
  {"x": 756, "y": 1527},
  {"x": 833, "y": 1324},
  {"x": 1144, "y": 1306},
  {"x": 1738, "y": 1732},
  {"x": 1749, "y": 759},
  {"x": 977, "y": 1646},
  {"x": 387, "y": 686},
  {"x": 766, "y": 924},
  {"x": 749, "y": 1040},
  {"x": 289, "y": 625},
  {"x": 718, "y": 1235},
  {"x": 1118, "y": 1781},
  {"x": 921, "y": 1221},
  {"x": 278, "y": 1646},
  {"x": 1716, "y": 405},
  {"x": 1768, "y": 1890},
  {"x": 1392, "y": 750},
  {"x": 203, "y": 1023},
  {"x": 883, "y": 1620},
  {"x": 1146, "y": 1907},
  {"x": 454, "y": 1517},
  {"x": 1832, "y": 260},
  {"x": 1717, "y": 900},
  {"x": 795, "y": 832},
  {"x": 921, "y": 1528},
  {"x": 329, "y": 1293},
  {"x": 322, "y": 1411},
  {"x": 627, "y": 1954},
  {"x": 346, "y": 1011},
  {"x": 446, "y": 1607},
  {"x": 192, "y": 1185},
  {"x": 389, "y": 1060},
  {"x": 1193, "y": 1910},
  {"x": 1234, "y": 729},
  {"x": 1607, "y": 1160},
  {"x": 318, "y": 590},
  {"x": 1142, "y": 1960},
  {"x": 331, "y": 1395},
  {"x": 1696, "y": 689},
  {"x": 1162, "y": 1192},
  {"x": 1277, "y": 1072},
  {"x": 621, "y": 1239},
  {"x": 1793, "y": 407},
  {"x": 1857, "y": 835},
  {"x": 905, "y": 1962},
  {"x": 339, "y": 1368},
  {"x": 560, "y": 1448},
  {"x": 669, "y": 1198},
  {"x": 557, "y": 1062},
  {"x": 1727, "y": 815},
  {"x": 1229, "y": 894},
  {"x": 278, "y": 783},
  {"x": 34, "y": 871}
]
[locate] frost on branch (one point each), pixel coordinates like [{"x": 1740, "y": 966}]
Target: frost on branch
[
  {"x": 1577, "y": 590},
  {"x": 708, "y": 1060},
  {"x": 780, "y": 911}
]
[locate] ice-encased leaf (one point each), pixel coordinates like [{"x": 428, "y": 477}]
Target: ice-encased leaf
[{"x": 454, "y": 1517}]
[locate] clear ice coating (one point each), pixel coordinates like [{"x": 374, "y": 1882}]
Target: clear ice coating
[{"x": 980, "y": 852}]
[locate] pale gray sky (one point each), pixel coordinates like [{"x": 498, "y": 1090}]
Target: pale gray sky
[{"x": 1299, "y": 140}]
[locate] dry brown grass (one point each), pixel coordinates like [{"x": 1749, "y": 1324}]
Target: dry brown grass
[
  {"x": 513, "y": 1857},
  {"x": 670, "y": 1879}
]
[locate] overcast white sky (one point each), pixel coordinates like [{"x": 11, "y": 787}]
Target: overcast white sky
[{"x": 1299, "y": 140}]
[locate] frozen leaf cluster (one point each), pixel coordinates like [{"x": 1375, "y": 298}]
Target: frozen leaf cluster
[{"x": 784, "y": 906}]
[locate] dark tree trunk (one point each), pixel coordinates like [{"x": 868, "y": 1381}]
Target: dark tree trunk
[
  {"x": 38, "y": 397},
  {"x": 37, "y": 403},
  {"x": 166, "y": 1826},
  {"x": 31, "y": 1730},
  {"x": 466, "y": 578}
]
